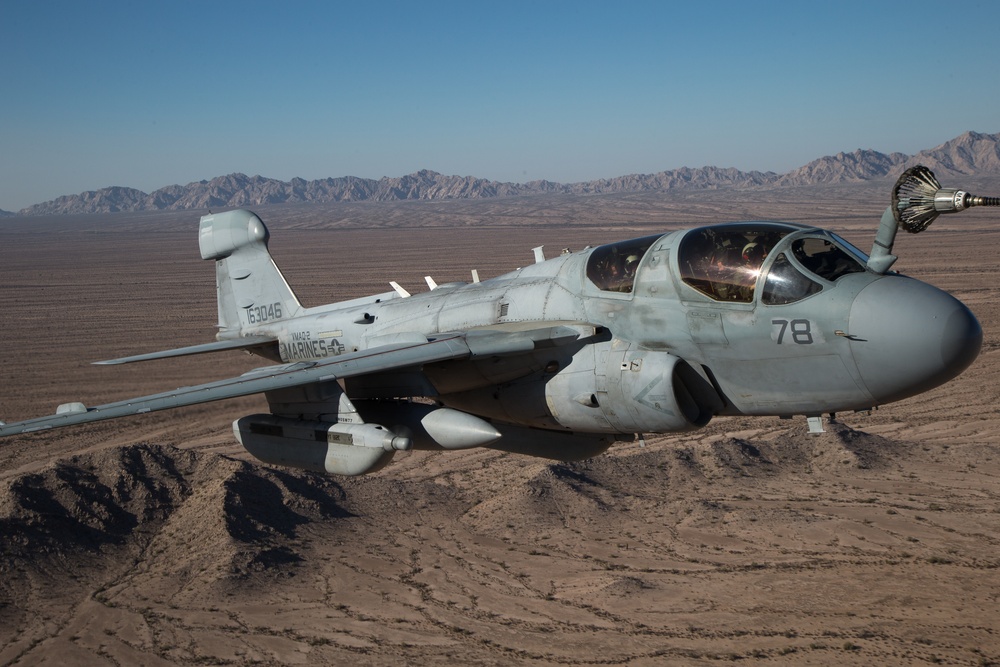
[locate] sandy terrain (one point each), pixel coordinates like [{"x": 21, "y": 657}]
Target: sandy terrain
[{"x": 155, "y": 540}]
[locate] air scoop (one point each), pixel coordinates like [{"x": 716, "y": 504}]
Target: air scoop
[{"x": 917, "y": 200}]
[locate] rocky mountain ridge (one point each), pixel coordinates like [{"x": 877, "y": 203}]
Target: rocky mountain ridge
[{"x": 969, "y": 153}]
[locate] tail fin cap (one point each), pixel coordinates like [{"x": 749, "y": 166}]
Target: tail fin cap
[{"x": 222, "y": 234}]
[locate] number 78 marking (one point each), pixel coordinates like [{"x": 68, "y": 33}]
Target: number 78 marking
[{"x": 801, "y": 331}]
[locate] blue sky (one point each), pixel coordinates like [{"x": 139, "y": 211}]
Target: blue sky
[{"x": 148, "y": 94}]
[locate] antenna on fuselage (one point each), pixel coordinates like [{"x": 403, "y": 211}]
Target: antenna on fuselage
[
  {"x": 399, "y": 290},
  {"x": 917, "y": 200}
]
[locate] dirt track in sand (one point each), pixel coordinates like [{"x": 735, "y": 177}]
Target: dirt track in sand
[{"x": 155, "y": 540}]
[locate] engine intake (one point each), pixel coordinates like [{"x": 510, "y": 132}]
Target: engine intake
[
  {"x": 612, "y": 390},
  {"x": 656, "y": 392}
]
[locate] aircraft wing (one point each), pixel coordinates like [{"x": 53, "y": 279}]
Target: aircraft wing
[
  {"x": 395, "y": 352},
  {"x": 386, "y": 357}
]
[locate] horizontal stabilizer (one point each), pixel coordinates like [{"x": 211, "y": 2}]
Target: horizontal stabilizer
[{"x": 218, "y": 346}]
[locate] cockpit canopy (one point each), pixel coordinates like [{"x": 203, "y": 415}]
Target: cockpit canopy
[
  {"x": 612, "y": 267},
  {"x": 726, "y": 262},
  {"x": 729, "y": 262}
]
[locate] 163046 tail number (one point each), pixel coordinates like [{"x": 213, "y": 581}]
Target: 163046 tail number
[{"x": 266, "y": 313}]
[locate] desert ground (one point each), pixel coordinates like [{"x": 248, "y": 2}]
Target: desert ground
[{"x": 156, "y": 540}]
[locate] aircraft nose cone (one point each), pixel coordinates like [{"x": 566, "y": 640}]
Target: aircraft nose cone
[{"x": 908, "y": 337}]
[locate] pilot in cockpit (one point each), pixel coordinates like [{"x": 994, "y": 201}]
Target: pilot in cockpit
[
  {"x": 753, "y": 255},
  {"x": 631, "y": 264}
]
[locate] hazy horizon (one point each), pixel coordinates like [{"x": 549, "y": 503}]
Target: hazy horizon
[{"x": 146, "y": 96}]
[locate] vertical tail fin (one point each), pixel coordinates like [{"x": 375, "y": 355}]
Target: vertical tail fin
[{"x": 251, "y": 290}]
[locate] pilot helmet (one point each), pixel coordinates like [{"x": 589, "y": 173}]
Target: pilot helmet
[
  {"x": 754, "y": 253},
  {"x": 631, "y": 262}
]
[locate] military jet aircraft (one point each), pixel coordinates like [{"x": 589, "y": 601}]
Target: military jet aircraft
[{"x": 566, "y": 356}]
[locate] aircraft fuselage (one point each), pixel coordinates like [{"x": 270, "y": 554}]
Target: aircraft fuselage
[{"x": 672, "y": 347}]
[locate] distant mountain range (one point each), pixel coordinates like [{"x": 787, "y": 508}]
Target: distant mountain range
[{"x": 968, "y": 154}]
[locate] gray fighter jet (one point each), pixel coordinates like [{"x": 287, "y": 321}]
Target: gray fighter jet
[{"x": 568, "y": 355}]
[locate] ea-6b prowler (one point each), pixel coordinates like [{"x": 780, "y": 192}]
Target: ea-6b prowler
[{"x": 564, "y": 357}]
